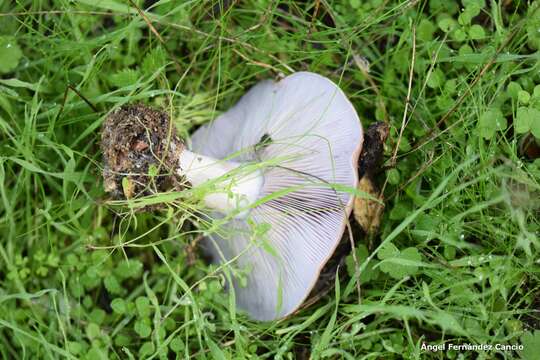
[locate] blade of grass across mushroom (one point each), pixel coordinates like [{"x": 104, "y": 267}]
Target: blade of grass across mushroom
[{"x": 307, "y": 125}]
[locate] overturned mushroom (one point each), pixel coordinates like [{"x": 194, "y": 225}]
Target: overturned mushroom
[{"x": 283, "y": 165}]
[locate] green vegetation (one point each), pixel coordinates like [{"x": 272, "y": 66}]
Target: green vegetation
[{"x": 457, "y": 257}]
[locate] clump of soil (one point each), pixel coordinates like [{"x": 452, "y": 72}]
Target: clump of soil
[
  {"x": 367, "y": 212},
  {"x": 140, "y": 152}
]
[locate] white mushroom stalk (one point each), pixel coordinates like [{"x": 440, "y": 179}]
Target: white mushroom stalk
[
  {"x": 232, "y": 193},
  {"x": 307, "y": 123}
]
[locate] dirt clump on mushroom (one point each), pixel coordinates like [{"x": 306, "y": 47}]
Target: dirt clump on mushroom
[
  {"x": 368, "y": 212},
  {"x": 140, "y": 151}
]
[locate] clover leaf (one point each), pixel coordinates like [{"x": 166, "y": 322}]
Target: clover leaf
[
  {"x": 369, "y": 273},
  {"x": 490, "y": 122},
  {"x": 398, "y": 264},
  {"x": 527, "y": 119},
  {"x": 119, "y": 306},
  {"x": 425, "y": 30},
  {"x": 10, "y": 54},
  {"x": 143, "y": 306},
  {"x": 142, "y": 327},
  {"x": 477, "y": 32}
]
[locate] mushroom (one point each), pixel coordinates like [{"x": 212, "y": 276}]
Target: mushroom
[
  {"x": 280, "y": 169},
  {"x": 308, "y": 137}
]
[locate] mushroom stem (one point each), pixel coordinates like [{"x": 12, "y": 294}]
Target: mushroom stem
[{"x": 234, "y": 191}]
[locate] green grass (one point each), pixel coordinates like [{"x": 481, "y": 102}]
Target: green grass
[{"x": 457, "y": 258}]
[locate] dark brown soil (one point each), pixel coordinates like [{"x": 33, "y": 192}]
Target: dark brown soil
[
  {"x": 371, "y": 157},
  {"x": 137, "y": 140}
]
